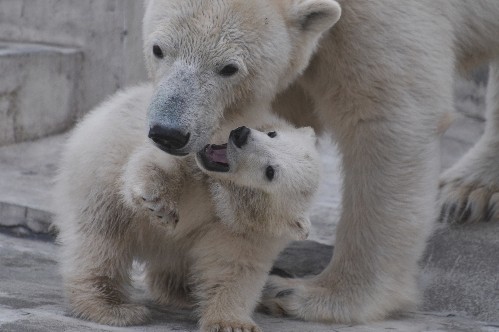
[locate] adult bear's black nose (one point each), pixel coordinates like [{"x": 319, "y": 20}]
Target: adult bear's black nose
[
  {"x": 240, "y": 136},
  {"x": 169, "y": 139}
]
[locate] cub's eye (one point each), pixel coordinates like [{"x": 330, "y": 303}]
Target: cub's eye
[
  {"x": 272, "y": 134},
  {"x": 158, "y": 53},
  {"x": 269, "y": 173},
  {"x": 228, "y": 71}
]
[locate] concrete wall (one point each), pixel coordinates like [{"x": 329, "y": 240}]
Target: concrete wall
[
  {"x": 38, "y": 90},
  {"x": 108, "y": 32}
]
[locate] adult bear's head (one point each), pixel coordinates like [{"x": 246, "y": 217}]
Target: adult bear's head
[{"x": 209, "y": 58}]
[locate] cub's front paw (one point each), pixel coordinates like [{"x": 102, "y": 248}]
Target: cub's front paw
[
  {"x": 160, "y": 209},
  {"x": 145, "y": 197},
  {"x": 230, "y": 326}
]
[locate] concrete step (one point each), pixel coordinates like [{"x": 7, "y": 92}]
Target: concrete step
[
  {"x": 108, "y": 31},
  {"x": 26, "y": 178},
  {"x": 38, "y": 90}
]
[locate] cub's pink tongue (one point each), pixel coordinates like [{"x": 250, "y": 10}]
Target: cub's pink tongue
[{"x": 218, "y": 153}]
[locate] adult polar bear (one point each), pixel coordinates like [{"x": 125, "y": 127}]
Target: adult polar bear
[{"x": 381, "y": 80}]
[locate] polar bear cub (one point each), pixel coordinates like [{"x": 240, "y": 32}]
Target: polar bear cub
[
  {"x": 261, "y": 184},
  {"x": 207, "y": 227}
]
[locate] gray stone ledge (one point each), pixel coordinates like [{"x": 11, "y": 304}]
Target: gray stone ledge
[
  {"x": 27, "y": 49},
  {"x": 38, "y": 90}
]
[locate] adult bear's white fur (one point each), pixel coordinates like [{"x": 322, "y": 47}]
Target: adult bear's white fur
[{"x": 381, "y": 80}]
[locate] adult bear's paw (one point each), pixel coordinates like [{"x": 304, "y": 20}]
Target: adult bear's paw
[{"x": 469, "y": 191}]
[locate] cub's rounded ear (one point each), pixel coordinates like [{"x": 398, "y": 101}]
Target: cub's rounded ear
[
  {"x": 315, "y": 15},
  {"x": 308, "y": 131}
]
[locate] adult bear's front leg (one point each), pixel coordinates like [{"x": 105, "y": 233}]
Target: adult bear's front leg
[{"x": 391, "y": 168}]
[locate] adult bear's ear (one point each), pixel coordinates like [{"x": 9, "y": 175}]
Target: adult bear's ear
[
  {"x": 307, "y": 21},
  {"x": 315, "y": 15}
]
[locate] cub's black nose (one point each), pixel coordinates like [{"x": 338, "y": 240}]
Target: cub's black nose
[
  {"x": 169, "y": 139},
  {"x": 240, "y": 136}
]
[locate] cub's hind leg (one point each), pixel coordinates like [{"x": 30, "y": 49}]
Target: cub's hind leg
[
  {"x": 95, "y": 263},
  {"x": 167, "y": 280}
]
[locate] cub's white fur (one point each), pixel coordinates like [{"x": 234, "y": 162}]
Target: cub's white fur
[
  {"x": 207, "y": 238},
  {"x": 381, "y": 80}
]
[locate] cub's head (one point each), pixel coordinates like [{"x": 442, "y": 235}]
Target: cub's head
[
  {"x": 264, "y": 181},
  {"x": 209, "y": 59}
]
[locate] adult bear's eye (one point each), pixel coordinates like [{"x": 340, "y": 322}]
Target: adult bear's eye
[
  {"x": 272, "y": 134},
  {"x": 158, "y": 53},
  {"x": 228, "y": 71},
  {"x": 270, "y": 173}
]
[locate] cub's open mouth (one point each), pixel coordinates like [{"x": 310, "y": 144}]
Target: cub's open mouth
[{"x": 214, "y": 158}]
